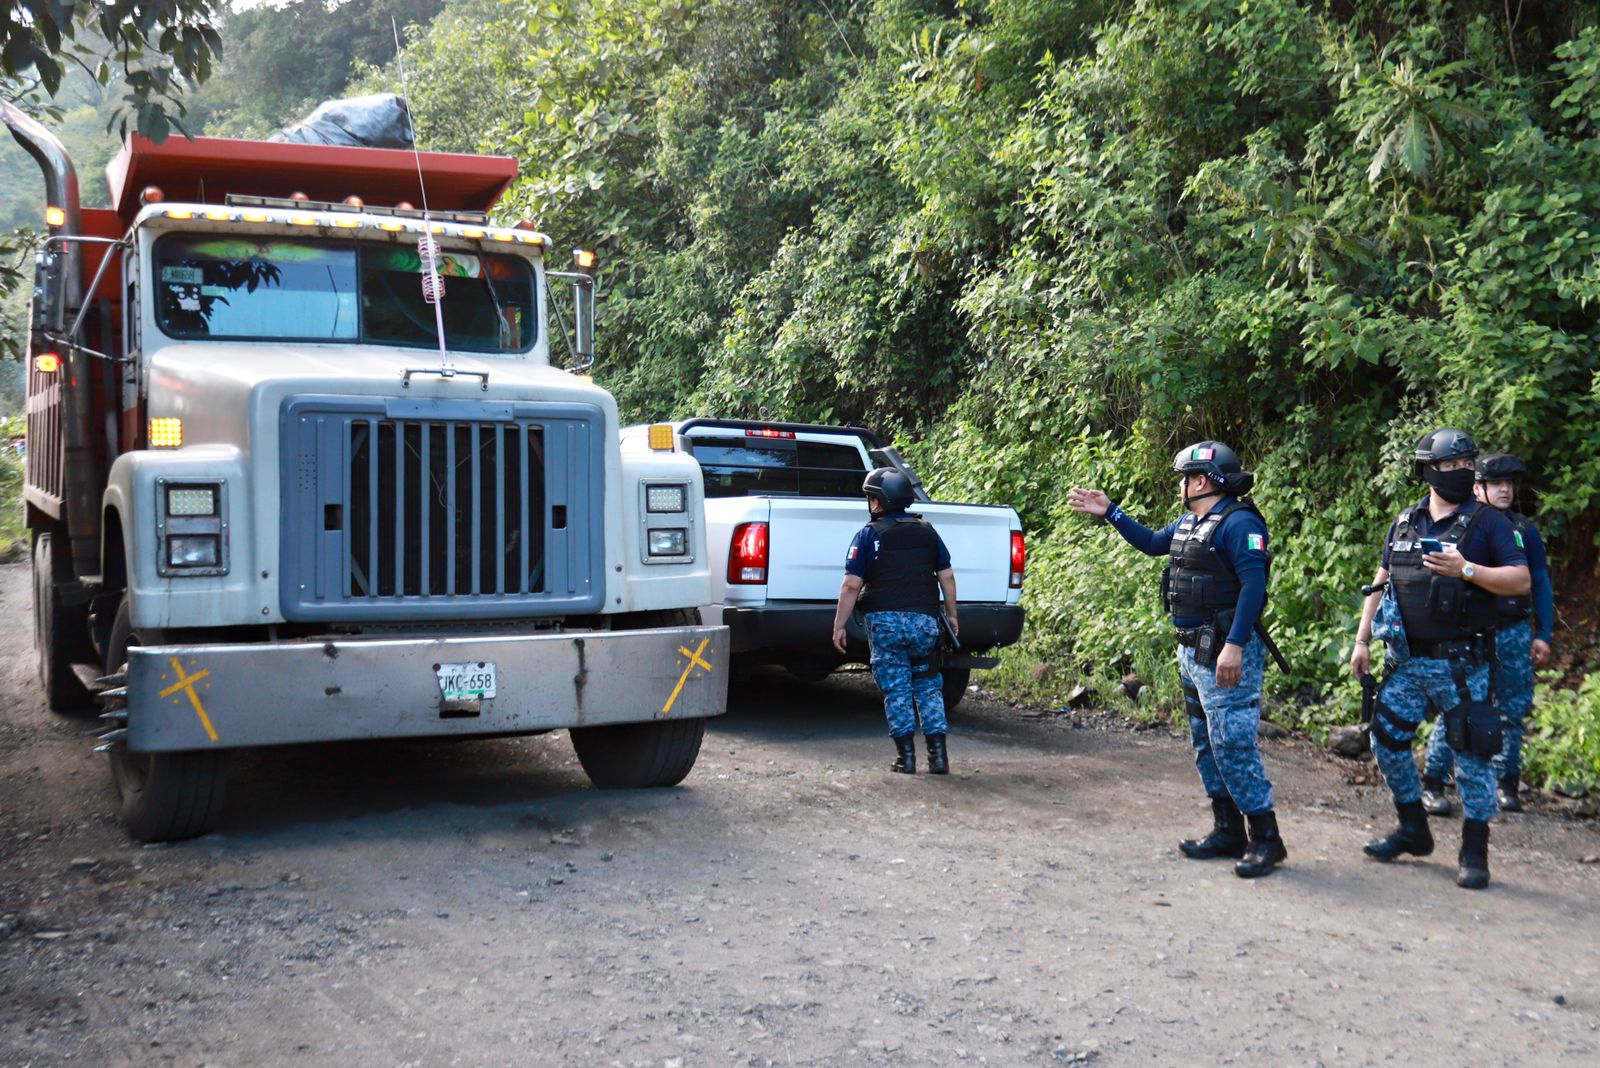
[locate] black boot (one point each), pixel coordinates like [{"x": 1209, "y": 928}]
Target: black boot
[
  {"x": 1266, "y": 847},
  {"x": 1412, "y": 836},
  {"x": 1509, "y": 802},
  {"x": 938, "y": 759},
  {"x": 907, "y": 760},
  {"x": 1227, "y": 837},
  {"x": 1474, "y": 859},
  {"x": 1434, "y": 801}
]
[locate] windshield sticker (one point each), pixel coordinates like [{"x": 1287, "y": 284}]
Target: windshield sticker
[
  {"x": 191, "y": 276},
  {"x": 451, "y": 265}
]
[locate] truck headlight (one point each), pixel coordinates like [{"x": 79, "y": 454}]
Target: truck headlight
[
  {"x": 669, "y": 542},
  {"x": 666, "y": 498},
  {"x": 194, "y": 550},
  {"x": 191, "y": 527}
]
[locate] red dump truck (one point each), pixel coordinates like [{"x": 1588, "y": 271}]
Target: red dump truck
[{"x": 302, "y": 467}]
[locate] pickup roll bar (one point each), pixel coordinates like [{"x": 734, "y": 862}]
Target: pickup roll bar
[{"x": 799, "y": 428}]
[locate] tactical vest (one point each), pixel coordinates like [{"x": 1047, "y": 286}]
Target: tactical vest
[
  {"x": 1520, "y": 607},
  {"x": 1197, "y": 581},
  {"x": 903, "y": 573},
  {"x": 1435, "y": 608}
]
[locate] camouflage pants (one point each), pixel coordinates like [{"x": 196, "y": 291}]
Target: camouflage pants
[
  {"x": 1513, "y": 692},
  {"x": 895, "y": 638},
  {"x": 1223, "y": 721},
  {"x": 1402, "y": 704}
]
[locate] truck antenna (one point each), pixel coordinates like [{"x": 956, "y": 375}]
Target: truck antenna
[{"x": 429, "y": 251}]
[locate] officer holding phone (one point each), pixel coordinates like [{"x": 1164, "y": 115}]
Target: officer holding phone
[
  {"x": 1215, "y": 588},
  {"x": 1447, "y": 559}
]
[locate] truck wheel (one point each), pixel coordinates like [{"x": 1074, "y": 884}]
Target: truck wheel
[
  {"x": 59, "y": 630},
  {"x": 954, "y": 685},
  {"x": 635, "y": 756},
  {"x": 165, "y": 797}
]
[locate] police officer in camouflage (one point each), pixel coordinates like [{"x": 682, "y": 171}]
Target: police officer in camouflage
[
  {"x": 1215, "y": 588},
  {"x": 1446, "y": 562},
  {"x": 897, "y": 570},
  {"x": 1520, "y": 645}
]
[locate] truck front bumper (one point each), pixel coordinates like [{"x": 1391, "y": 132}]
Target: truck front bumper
[
  {"x": 230, "y": 696},
  {"x": 807, "y": 627}
]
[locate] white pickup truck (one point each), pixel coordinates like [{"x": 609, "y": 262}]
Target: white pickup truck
[{"x": 783, "y": 500}]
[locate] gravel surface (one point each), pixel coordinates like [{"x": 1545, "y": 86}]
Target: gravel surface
[{"x": 792, "y": 903}]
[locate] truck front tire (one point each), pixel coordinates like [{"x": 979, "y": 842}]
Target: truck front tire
[
  {"x": 59, "y": 630},
  {"x": 636, "y": 756},
  {"x": 164, "y": 797}
]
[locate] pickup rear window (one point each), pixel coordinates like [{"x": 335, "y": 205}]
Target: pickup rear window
[{"x": 773, "y": 467}]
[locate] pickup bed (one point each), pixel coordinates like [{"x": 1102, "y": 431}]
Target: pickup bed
[{"x": 783, "y": 500}]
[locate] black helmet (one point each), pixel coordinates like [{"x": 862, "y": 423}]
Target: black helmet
[
  {"x": 1500, "y": 467},
  {"x": 1217, "y": 462},
  {"x": 1446, "y": 443},
  {"x": 889, "y": 487}
]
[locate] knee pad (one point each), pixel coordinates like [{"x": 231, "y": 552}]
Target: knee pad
[{"x": 1390, "y": 731}]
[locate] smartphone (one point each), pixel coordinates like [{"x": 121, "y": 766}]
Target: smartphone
[{"x": 1431, "y": 545}]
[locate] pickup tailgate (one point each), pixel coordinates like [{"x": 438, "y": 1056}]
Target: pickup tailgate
[{"x": 809, "y": 537}]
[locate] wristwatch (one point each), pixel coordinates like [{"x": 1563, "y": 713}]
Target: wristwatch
[{"x": 1467, "y": 571}]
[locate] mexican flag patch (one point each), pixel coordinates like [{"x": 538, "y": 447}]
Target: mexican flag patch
[
  {"x": 1201, "y": 454},
  {"x": 1255, "y": 542}
]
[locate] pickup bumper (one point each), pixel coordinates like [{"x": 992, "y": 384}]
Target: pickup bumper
[
  {"x": 805, "y": 627},
  {"x": 228, "y": 696}
]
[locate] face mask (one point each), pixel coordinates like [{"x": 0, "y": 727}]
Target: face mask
[
  {"x": 1454, "y": 486},
  {"x": 1183, "y": 491}
]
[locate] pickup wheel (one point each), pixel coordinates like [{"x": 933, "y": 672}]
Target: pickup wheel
[
  {"x": 164, "y": 797},
  {"x": 954, "y": 685},
  {"x": 634, "y": 756},
  {"x": 59, "y": 630}
]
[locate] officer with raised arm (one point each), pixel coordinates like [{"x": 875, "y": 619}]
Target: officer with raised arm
[
  {"x": 897, "y": 570},
  {"x": 1519, "y": 645},
  {"x": 1215, "y": 588},
  {"x": 1446, "y": 561}
]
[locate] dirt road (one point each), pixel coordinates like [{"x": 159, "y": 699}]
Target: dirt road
[{"x": 792, "y": 903}]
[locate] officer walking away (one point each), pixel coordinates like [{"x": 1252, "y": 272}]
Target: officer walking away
[
  {"x": 1519, "y": 645},
  {"x": 1215, "y": 588},
  {"x": 1446, "y": 562},
  {"x": 896, "y": 570}
]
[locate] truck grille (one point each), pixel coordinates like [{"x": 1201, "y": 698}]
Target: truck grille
[{"x": 440, "y": 510}]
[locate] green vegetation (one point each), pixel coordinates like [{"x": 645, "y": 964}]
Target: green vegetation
[{"x": 1051, "y": 241}]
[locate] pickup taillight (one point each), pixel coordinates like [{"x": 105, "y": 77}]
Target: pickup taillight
[
  {"x": 747, "y": 557},
  {"x": 1019, "y": 559}
]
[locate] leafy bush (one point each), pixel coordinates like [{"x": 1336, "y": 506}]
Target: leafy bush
[{"x": 1563, "y": 742}]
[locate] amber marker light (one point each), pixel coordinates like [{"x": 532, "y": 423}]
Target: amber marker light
[
  {"x": 151, "y": 194},
  {"x": 55, "y": 217},
  {"x": 255, "y": 216},
  {"x": 178, "y": 213},
  {"x": 166, "y": 432},
  {"x": 472, "y": 232},
  {"x": 391, "y": 226},
  {"x": 47, "y": 362},
  {"x": 584, "y": 259},
  {"x": 661, "y": 437},
  {"x": 348, "y": 224},
  {"x": 218, "y": 216},
  {"x": 304, "y": 220}
]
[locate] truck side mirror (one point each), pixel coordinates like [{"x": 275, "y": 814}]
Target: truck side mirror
[
  {"x": 583, "y": 319},
  {"x": 49, "y": 304}
]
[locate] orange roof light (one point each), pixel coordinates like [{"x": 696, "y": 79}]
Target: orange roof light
[
  {"x": 404, "y": 205},
  {"x": 353, "y": 201},
  {"x": 47, "y": 362},
  {"x": 151, "y": 194},
  {"x": 297, "y": 195}
]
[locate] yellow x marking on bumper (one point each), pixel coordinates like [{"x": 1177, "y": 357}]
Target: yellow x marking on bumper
[{"x": 695, "y": 660}]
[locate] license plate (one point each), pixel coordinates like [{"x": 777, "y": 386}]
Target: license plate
[{"x": 465, "y": 682}]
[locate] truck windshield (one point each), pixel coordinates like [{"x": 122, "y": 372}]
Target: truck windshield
[
  {"x": 225, "y": 286},
  {"x": 773, "y": 467}
]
